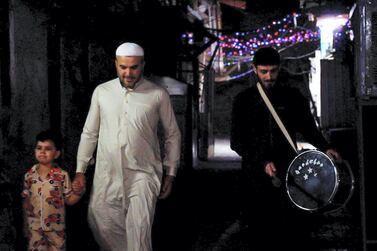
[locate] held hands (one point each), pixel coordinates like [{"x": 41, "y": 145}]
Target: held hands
[
  {"x": 167, "y": 186},
  {"x": 79, "y": 184}
]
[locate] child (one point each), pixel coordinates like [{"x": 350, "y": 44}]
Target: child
[{"x": 47, "y": 188}]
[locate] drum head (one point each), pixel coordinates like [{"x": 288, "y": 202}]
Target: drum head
[{"x": 311, "y": 180}]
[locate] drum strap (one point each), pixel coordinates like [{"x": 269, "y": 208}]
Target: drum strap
[{"x": 276, "y": 116}]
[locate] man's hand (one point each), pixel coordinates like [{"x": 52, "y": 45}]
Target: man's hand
[
  {"x": 334, "y": 155},
  {"x": 79, "y": 184},
  {"x": 270, "y": 169},
  {"x": 167, "y": 186}
]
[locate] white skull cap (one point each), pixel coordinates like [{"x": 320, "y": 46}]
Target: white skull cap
[{"x": 129, "y": 49}]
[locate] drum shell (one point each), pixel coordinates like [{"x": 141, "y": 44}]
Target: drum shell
[{"x": 315, "y": 183}]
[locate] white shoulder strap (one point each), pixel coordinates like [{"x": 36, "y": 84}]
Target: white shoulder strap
[{"x": 276, "y": 117}]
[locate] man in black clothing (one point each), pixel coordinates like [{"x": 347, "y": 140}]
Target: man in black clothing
[{"x": 270, "y": 218}]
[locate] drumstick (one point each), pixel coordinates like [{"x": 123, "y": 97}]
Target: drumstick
[{"x": 276, "y": 182}]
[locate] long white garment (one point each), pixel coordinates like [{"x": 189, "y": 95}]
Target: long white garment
[{"x": 128, "y": 164}]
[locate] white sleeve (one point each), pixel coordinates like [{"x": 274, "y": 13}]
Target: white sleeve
[
  {"x": 172, "y": 135},
  {"x": 89, "y": 135}
]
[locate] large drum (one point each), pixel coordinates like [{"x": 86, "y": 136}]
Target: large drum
[{"x": 315, "y": 183}]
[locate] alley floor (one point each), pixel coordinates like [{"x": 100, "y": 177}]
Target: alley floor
[
  {"x": 206, "y": 217},
  {"x": 202, "y": 214}
]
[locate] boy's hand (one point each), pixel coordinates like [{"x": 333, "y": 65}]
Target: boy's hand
[{"x": 29, "y": 209}]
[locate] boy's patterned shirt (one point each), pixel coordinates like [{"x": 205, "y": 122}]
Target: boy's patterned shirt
[{"x": 47, "y": 198}]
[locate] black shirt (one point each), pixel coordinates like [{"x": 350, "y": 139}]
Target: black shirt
[{"x": 256, "y": 136}]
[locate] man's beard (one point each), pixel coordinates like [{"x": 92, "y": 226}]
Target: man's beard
[
  {"x": 129, "y": 84},
  {"x": 269, "y": 84}
]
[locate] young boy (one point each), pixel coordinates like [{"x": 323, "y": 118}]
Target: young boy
[{"x": 47, "y": 188}]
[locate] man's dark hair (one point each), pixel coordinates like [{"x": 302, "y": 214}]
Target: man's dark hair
[
  {"x": 266, "y": 56},
  {"x": 52, "y": 135}
]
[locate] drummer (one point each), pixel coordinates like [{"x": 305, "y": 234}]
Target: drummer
[{"x": 270, "y": 220}]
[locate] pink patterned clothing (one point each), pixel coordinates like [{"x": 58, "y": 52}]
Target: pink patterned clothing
[{"x": 47, "y": 198}]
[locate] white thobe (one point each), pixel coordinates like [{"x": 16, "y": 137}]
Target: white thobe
[{"x": 129, "y": 168}]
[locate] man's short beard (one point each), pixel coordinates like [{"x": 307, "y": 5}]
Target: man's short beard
[
  {"x": 269, "y": 85},
  {"x": 134, "y": 83}
]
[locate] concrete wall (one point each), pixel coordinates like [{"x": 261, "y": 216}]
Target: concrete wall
[
  {"x": 29, "y": 110},
  {"x": 26, "y": 114}
]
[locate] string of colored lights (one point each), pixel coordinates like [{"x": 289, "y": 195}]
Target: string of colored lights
[
  {"x": 278, "y": 34},
  {"x": 239, "y": 48}
]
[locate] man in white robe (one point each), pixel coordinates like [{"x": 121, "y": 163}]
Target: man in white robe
[{"x": 122, "y": 123}]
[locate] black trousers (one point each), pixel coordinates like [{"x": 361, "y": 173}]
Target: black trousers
[{"x": 269, "y": 219}]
